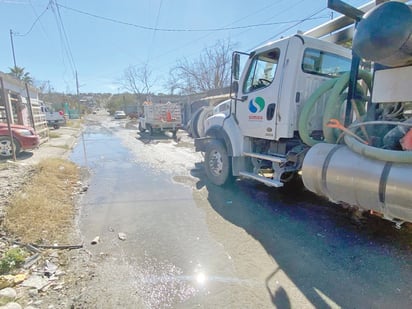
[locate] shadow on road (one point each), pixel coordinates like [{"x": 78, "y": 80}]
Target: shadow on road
[
  {"x": 155, "y": 138},
  {"x": 317, "y": 245},
  {"x": 279, "y": 296}
]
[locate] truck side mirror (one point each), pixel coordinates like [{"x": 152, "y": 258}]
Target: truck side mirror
[{"x": 235, "y": 66}]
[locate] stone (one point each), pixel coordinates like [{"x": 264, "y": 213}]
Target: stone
[
  {"x": 7, "y": 295},
  {"x": 35, "y": 281},
  {"x": 49, "y": 268},
  {"x": 122, "y": 236},
  {"x": 11, "y": 305},
  {"x": 95, "y": 240}
]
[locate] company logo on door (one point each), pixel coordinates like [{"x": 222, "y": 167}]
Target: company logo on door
[{"x": 256, "y": 105}]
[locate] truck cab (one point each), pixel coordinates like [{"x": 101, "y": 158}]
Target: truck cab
[
  {"x": 260, "y": 134},
  {"x": 287, "y": 107},
  {"x": 279, "y": 78}
]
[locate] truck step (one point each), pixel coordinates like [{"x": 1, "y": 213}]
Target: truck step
[
  {"x": 265, "y": 157},
  {"x": 267, "y": 181}
]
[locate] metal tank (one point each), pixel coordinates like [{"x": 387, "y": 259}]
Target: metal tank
[
  {"x": 336, "y": 172},
  {"x": 384, "y": 35}
]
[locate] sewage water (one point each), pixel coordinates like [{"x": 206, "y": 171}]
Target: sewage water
[{"x": 168, "y": 251}]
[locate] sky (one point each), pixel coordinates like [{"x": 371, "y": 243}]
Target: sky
[{"x": 99, "y": 39}]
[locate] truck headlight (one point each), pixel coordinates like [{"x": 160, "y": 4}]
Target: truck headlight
[{"x": 24, "y": 132}]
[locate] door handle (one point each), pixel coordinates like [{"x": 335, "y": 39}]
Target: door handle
[
  {"x": 270, "y": 112},
  {"x": 243, "y": 98}
]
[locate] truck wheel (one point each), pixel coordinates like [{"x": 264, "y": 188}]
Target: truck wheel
[
  {"x": 6, "y": 150},
  {"x": 217, "y": 163}
]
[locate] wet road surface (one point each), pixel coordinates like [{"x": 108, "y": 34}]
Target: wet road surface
[{"x": 190, "y": 244}]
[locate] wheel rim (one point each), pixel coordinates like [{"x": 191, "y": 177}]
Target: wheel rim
[
  {"x": 215, "y": 163},
  {"x": 6, "y": 148}
]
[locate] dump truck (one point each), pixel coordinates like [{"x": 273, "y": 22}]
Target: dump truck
[
  {"x": 160, "y": 117},
  {"x": 336, "y": 120}
]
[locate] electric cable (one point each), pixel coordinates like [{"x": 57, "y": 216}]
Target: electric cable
[
  {"x": 66, "y": 37},
  {"x": 154, "y": 32},
  {"x": 64, "y": 43},
  {"x": 288, "y": 28},
  {"x": 34, "y": 23},
  {"x": 174, "y": 29}
]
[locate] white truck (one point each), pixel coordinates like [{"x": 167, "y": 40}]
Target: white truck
[
  {"x": 303, "y": 108},
  {"x": 54, "y": 119},
  {"x": 161, "y": 117}
]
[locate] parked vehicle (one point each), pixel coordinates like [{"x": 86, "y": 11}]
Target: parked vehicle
[
  {"x": 54, "y": 119},
  {"x": 288, "y": 105},
  {"x": 161, "y": 117},
  {"x": 119, "y": 115},
  {"x": 24, "y": 138}
]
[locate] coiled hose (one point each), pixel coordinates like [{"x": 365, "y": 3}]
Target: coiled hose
[
  {"x": 380, "y": 154},
  {"x": 332, "y": 108}
]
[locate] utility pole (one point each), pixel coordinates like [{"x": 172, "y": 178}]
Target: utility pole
[
  {"x": 78, "y": 103},
  {"x": 12, "y": 48}
]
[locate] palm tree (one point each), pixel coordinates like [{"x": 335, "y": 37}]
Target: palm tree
[{"x": 18, "y": 72}]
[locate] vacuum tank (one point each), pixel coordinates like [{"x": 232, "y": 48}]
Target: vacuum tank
[
  {"x": 384, "y": 35},
  {"x": 341, "y": 175}
]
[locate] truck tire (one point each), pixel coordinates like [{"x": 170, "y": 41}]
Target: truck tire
[
  {"x": 6, "y": 150},
  {"x": 218, "y": 165},
  {"x": 195, "y": 119}
]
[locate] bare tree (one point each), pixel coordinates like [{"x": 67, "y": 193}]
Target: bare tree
[
  {"x": 210, "y": 71},
  {"x": 137, "y": 80},
  {"x": 172, "y": 84}
]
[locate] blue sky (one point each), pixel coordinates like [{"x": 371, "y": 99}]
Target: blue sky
[{"x": 100, "y": 50}]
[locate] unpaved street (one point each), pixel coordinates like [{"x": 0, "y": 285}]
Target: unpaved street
[{"x": 168, "y": 238}]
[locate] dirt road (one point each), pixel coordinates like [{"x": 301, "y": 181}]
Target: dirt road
[{"x": 168, "y": 238}]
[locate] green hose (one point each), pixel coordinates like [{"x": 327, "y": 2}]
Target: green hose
[
  {"x": 332, "y": 110},
  {"x": 380, "y": 154},
  {"x": 334, "y": 103},
  {"x": 307, "y": 108}
]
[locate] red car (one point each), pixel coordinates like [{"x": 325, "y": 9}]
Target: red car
[{"x": 24, "y": 139}]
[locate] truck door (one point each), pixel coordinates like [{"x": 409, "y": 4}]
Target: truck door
[{"x": 259, "y": 91}]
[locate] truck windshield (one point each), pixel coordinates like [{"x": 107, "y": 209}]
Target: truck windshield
[
  {"x": 261, "y": 71},
  {"x": 323, "y": 63}
]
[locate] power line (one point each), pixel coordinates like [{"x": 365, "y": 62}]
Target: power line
[
  {"x": 244, "y": 30},
  {"x": 173, "y": 29},
  {"x": 288, "y": 28},
  {"x": 35, "y": 13},
  {"x": 66, "y": 39},
  {"x": 65, "y": 44},
  {"x": 34, "y": 23},
  {"x": 154, "y": 31}
]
